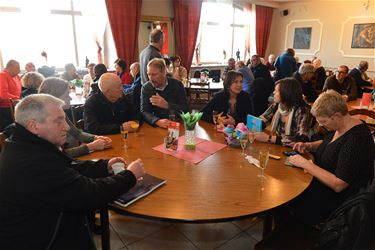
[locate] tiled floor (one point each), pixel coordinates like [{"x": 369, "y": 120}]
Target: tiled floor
[{"x": 140, "y": 234}]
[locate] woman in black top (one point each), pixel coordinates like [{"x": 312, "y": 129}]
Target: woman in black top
[
  {"x": 343, "y": 159},
  {"x": 232, "y": 101}
]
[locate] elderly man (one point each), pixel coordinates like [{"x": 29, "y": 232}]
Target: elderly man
[
  {"x": 44, "y": 194},
  {"x": 150, "y": 52},
  {"x": 259, "y": 69},
  {"x": 304, "y": 75},
  {"x": 161, "y": 96},
  {"x": 10, "y": 87},
  {"x": 30, "y": 67},
  {"x": 108, "y": 109},
  {"x": 285, "y": 64},
  {"x": 342, "y": 83},
  {"x": 270, "y": 64},
  {"x": 248, "y": 77},
  {"x": 231, "y": 66},
  {"x": 320, "y": 73},
  {"x": 135, "y": 88},
  {"x": 356, "y": 73}
]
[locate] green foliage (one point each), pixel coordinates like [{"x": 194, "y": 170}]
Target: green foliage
[
  {"x": 77, "y": 82},
  {"x": 191, "y": 119}
]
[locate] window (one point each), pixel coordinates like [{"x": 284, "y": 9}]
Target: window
[
  {"x": 67, "y": 30},
  {"x": 222, "y": 30}
]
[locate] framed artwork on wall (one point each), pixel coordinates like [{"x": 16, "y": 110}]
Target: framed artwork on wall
[
  {"x": 302, "y": 38},
  {"x": 363, "y": 36}
]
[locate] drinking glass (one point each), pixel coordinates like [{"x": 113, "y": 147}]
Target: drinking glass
[
  {"x": 134, "y": 125},
  {"x": 251, "y": 135},
  {"x": 243, "y": 142},
  {"x": 124, "y": 136},
  {"x": 263, "y": 161}
]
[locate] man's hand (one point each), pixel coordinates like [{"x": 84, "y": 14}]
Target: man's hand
[
  {"x": 159, "y": 101},
  {"x": 107, "y": 140},
  {"x": 136, "y": 167},
  {"x": 113, "y": 161},
  {"x": 98, "y": 144},
  {"x": 163, "y": 123},
  {"x": 128, "y": 127}
]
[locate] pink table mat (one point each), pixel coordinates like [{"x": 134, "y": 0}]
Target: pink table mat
[{"x": 203, "y": 149}]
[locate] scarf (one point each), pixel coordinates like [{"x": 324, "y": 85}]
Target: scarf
[{"x": 277, "y": 116}]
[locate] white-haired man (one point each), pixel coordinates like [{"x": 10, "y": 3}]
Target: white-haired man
[{"x": 44, "y": 194}]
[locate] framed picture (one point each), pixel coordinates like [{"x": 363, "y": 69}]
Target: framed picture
[
  {"x": 302, "y": 38},
  {"x": 363, "y": 36}
]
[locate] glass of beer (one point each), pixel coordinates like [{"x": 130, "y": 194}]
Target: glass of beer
[{"x": 124, "y": 135}]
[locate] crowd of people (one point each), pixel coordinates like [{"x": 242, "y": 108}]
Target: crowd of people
[{"x": 43, "y": 140}]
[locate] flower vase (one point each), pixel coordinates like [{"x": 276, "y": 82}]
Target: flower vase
[{"x": 189, "y": 137}]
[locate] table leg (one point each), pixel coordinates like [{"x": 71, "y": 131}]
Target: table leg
[
  {"x": 267, "y": 224},
  {"x": 104, "y": 226}
]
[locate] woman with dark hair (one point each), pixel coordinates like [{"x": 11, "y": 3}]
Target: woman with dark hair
[
  {"x": 289, "y": 115},
  {"x": 232, "y": 101},
  {"x": 60, "y": 88},
  {"x": 120, "y": 66},
  {"x": 179, "y": 72}
]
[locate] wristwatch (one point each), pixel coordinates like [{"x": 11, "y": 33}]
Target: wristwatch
[{"x": 269, "y": 139}]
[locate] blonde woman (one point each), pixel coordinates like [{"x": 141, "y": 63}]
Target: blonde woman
[{"x": 31, "y": 82}]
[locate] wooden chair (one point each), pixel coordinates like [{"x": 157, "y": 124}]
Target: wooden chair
[
  {"x": 12, "y": 103},
  {"x": 199, "y": 93},
  {"x": 77, "y": 116},
  {"x": 365, "y": 115}
]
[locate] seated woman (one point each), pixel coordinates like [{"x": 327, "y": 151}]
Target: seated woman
[
  {"x": 120, "y": 66},
  {"x": 179, "y": 72},
  {"x": 289, "y": 115},
  {"x": 232, "y": 101},
  {"x": 343, "y": 160},
  {"x": 60, "y": 89},
  {"x": 31, "y": 82}
]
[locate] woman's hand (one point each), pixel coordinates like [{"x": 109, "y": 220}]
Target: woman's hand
[
  {"x": 302, "y": 147},
  {"x": 261, "y": 136},
  {"x": 299, "y": 161},
  {"x": 228, "y": 120}
]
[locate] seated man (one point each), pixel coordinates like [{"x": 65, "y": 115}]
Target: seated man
[
  {"x": 161, "y": 96},
  {"x": 248, "y": 77},
  {"x": 135, "y": 88},
  {"x": 44, "y": 194},
  {"x": 342, "y": 83},
  {"x": 259, "y": 69},
  {"x": 320, "y": 74},
  {"x": 231, "y": 66},
  {"x": 356, "y": 73},
  {"x": 303, "y": 76},
  {"x": 108, "y": 109}
]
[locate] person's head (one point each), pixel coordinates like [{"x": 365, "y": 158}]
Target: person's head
[
  {"x": 306, "y": 71},
  {"x": 231, "y": 63},
  {"x": 233, "y": 82},
  {"x": 239, "y": 64},
  {"x": 120, "y": 65},
  {"x": 288, "y": 92},
  {"x": 30, "y": 67},
  {"x": 56, "y": 87},
  {"x": 99, "y": 70},
  {"x": 13, "y": 67},
  {"x": 43, "y": 116},
  {"x": 363, "y": 66},
  {"x": 255, "y": 60},
  {"x": 316, "y": 63},
  {"x": 90, "y": 67},
  {"x": 32, "y": 80},
  {"x": 46, "y": 71},
  {"x": 271, "y": 58},
  {"x": 341, "y": 73},
  {"x": 328, "y": 110},
  {"x": 156, "y": 71},
  {"x": 176, "y": 61},
  {"x": 290, "y": 51},
  {"x": 70, "y": 69},
  {"x": 111, "y": 87},
  {"x": 134, "y": 69},
  {"x": 157, "y": 38}
]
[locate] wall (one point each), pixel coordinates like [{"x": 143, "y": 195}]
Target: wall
[{"x": 330, "y": 17}]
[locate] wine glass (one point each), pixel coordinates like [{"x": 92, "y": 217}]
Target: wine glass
[
  {"x": 251, "y": 135},
  {"x": 263, "y": 161},
  {"x": 243, "y": 142},
  {"x": 124, "y": 135},
  {"x": 215, "y": 117}
]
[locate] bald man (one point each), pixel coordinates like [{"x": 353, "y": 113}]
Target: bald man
[
  {"x": 108, "y": 109},
  {"x": 134, "y": 90},
  {"x": 10, "y": 87}
]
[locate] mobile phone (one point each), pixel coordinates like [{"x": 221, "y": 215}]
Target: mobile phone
[{"x": 290, "y": 153}]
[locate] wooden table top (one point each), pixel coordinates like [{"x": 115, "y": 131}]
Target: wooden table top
[{"x": 222, "y": 187}]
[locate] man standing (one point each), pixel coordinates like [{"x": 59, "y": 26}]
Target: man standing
[
  {"x": 10, "y": 87},
  {"x": 248, "y": 77},
  {"x": 285, "y": 64},
  {"x": 108, "y": 109},
  {"x": 303, "y": 76},
  {"x": 44, "y": 194},
  {"x": 150, "y": 52},
  {"x": 342, "y": 83},
  {"x": 161, "y": 96}
]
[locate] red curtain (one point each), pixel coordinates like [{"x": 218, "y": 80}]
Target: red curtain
[
  {"x": 124, "y": 18},
  {"x": 263, "y": 28},
  {"x": 187, "y": 15}
]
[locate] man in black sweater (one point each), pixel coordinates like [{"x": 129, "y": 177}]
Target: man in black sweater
[
  {"x": 161, "y": 96},
  {"x": 44, "y": 194}
]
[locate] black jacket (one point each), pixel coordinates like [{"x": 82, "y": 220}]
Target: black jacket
[
  {"x": 220, "y": 103},
  {"x": 103, "y": 117},
  {"x": 45, "y": 195},
  {"x": 307, "y": 88},
  {"x": 260, "y": 90}
]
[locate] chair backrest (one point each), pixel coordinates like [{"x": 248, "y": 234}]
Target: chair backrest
[
  {"x": 365, "y": 115},
  {"x": 2, "y": 140},
  {"x": 215, "y": 73},
  {"x": 12, "y": 103},
  {"x": 197, "y": 74},
  {"x": 77, "y": 115}
]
